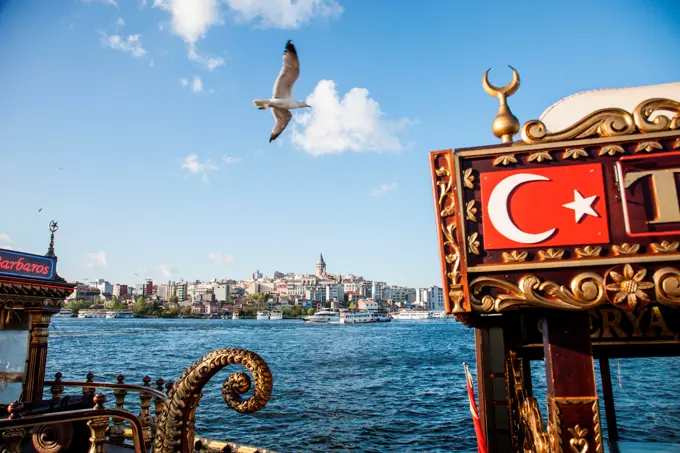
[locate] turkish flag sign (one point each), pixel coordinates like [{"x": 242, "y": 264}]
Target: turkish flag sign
[{"x": 546, "y": 207}]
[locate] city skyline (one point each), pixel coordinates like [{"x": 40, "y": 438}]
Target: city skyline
[{"x": 131, "y": 123}]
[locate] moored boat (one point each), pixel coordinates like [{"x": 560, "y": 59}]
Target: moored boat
[
  {"x": 411, "y": 315},
  {"x": 262, "y": 315},
  {"x": 275, "y": 315},
  {"x": 65, "y": 313},
  {"x": 357, "y": 317},
  {"x": 92, "y": 313},
  {"x": 325, "y": 315}
]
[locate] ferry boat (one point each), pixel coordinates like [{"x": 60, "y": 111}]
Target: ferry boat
[
  {"x": 92, "y": 313},
  {"x": 382, "y": 317},
  {"x": 275, "y": 315},
  {"x": 357, "y": 317},
  {"x": 411, "y": 315},
  {"x": 111, "y": 314},
  {"x": 262, "y": 315},
  {"x": 325, "y": 315},
  {"x": 65, "y": 313},
  {"x": 438, "y": 315}
]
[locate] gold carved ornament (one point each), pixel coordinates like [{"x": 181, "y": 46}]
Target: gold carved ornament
[
  {"x": 175, "y": 431},
  {"x": 610, "y": 122},
  {"x": 447, "y": 211}
]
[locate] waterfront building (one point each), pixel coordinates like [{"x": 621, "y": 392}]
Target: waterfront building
[
  {"x": 257, "y": 275},
  {"x": 221, "y": 291},
  {"x": 368, "y": 305},
  {"x": 181, "y": 291},
  {"x": 85, "y": 292},
  {"x": 316, "y": 293},
  {"x": 376, "y": 290},
  {"x": 335, "y": 292},
  {"x": 120, "y": 291},
  {"x": 105, "y": 288},
  {"x": 435, "y": 299}
]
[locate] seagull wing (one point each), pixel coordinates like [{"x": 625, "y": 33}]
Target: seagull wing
[
  {"x": 290, "y": 70},
  {"x": 282, "y": 118}
]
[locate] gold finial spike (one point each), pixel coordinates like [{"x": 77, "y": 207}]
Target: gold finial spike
[{"x": 505, "y": 125}]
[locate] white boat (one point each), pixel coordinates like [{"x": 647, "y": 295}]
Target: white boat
[
  {"x": 438, "y": 315},
  {"x": 381, "y": 317},
  {"x": 235, "y": 315},
  {"x": 357, "y": 317},
  {"x": 92, "y": 313},
  {"x": 276, "y": 315},
  {"x": 411, "y": 315},
  {"x": 325, "y": 315},
  {"x": 111, "y": 314},
  {"x": 262, "y": 315},
  {"x": 64, "y": 313}
]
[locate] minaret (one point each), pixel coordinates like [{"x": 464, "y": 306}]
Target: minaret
[{"x": 321, "y": 267}]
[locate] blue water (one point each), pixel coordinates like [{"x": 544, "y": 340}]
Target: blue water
[{"x": 392, "y": 387}]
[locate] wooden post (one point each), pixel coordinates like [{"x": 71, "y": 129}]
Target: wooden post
[
  {"x": 608, "y": 393},
  {"x": 570, "y": 378},
  {"x": 37, "y": 354}
]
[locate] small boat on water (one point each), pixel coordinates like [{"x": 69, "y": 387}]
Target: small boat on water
[
  {"x": 325, "y": 315},
  {"x": 438, "y": 315},
  {"x": 382, "y": 317},
  {"x": 111, "y": 314},
  {"x": 357, "y": 317},
  {"x": 411, "y": 315},
  {"x": 262, "y": 315},
  {"x": 235, "y": 315},
  {"x": 92, "y": 313},
  {"x": 276, "y": 315},
  {"x": 65, "y": 313}
]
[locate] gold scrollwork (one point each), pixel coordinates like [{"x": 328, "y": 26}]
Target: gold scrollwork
[
  {"x": 539, "y": 156},
  {"x": 585, "y": 291},
  {"x": 575, "y": 153},
  {"x": 626, "y": 249},
  {"x": 611, "y": 150},
  {"x": 578, "y": 442},
  {"x": 505, "y": 159},
  {"x": 557, "y": 404},
  {"x": 648, "y": 147},
  {"x": 665, "y": 246},
  {"x": 447, "y": 208},
  {"x": 609, "y": 122},
  {"x": 588, "y": 251},
  {"x": 667, "y": 286},
  {"x": 646, "y": 109},
  {"x": 514, "y": 256}
]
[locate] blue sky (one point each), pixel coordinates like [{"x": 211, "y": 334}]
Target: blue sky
[{"x": 168, "y": 177}]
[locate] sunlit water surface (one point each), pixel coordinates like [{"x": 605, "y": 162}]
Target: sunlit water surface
[{"x": 388, "y": 387}]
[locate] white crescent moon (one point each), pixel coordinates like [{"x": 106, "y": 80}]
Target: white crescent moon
[{"x": 499, "y": 212}]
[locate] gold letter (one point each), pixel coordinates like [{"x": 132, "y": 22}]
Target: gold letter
[
  {"x": 613, "y": 323},
  {"x": 665, "y": 193},
  {"x": 635, "y": 320},
  {"x": 596, "y": 332},
  {"x": 656, "y": 320}
]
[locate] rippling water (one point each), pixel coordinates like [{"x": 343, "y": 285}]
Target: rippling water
[{"x": 392, "y": 387}]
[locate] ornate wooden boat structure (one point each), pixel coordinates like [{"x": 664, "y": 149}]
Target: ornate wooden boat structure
[
  {"x": 563, "y": 246},
  {"x": 31, "y": 292}
]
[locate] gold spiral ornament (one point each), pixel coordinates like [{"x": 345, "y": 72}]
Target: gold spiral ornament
[{"x": 505, "y": 125}]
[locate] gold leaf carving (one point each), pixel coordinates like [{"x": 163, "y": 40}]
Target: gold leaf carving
[
  {"x": 514, "y": 256},
  {"x": 470, "y": 210},
  {"x": 468, "y": 178},
  {"x": 626, "y": 249},
  {"x": 540, "y": 156},
  {"x": 578, "y": 442},
  {"x": 443, "y": 172},
  {"x": 585, "y": 291},
  {"x": 473, "y": 243},
  {"x": 676, "y": 145},
  {"x": 648, "y": 147},
  {"x": 667, "y": 286},
  {"x": 629, "y": 287},
  {"x": 588, "y": 251},
  {"x": 665, "y": 246},
  {"x": 611, "y": 150},
  {"x": 505, "y": 160},
  {"x": 550, "y": 254},
  {"x": 448, "y": 211},
  {"x": 575, "y": 153}
]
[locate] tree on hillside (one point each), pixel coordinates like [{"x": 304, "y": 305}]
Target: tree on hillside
[
  {"x": 172, "y": 299},
  {"x": 352, "y": 306},
  {"x": 142, "y": 307},
  {"x": 310, "y": 311},
  {"x": 117, "y": 305}
]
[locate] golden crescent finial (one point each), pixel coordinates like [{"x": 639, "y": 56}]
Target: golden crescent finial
[
  {"x": 508, "y": 90},
  {"x": 505, "y": 125}
]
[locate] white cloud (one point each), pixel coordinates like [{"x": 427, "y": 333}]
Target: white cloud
[
  {"x": 194, "y": 167},
  {"x": 221, "y": 258},
  {"x": 131, "y": 44},
  {"x": 120, "y": 22},
  {"x": 184, "y": 82},
  {"x": 191, "y": 19},
  {"x": 211, "y": 63},
  {"x": 96, "y": 259},
  {"x": 4, "y": 237},
  {"x": 166, "y": 270},
  {"x": 231, "y": 160},
  {"x": 197, "y": 85},
  {"x": 284, "y": 13},
  {"x": 383, "y": 189},
  {"x": 106, "y": 2},
  {"x": 353, "y": 123}
]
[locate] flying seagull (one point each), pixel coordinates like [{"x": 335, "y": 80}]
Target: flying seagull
[
  {"x": 39, "y": 209},
  {"x": 282, "y": 98}
]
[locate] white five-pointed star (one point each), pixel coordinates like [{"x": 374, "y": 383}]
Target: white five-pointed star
[{"x": 581, "y": 206}]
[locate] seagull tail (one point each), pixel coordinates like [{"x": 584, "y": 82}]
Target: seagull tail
[{"x": 261, "y": 103}]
